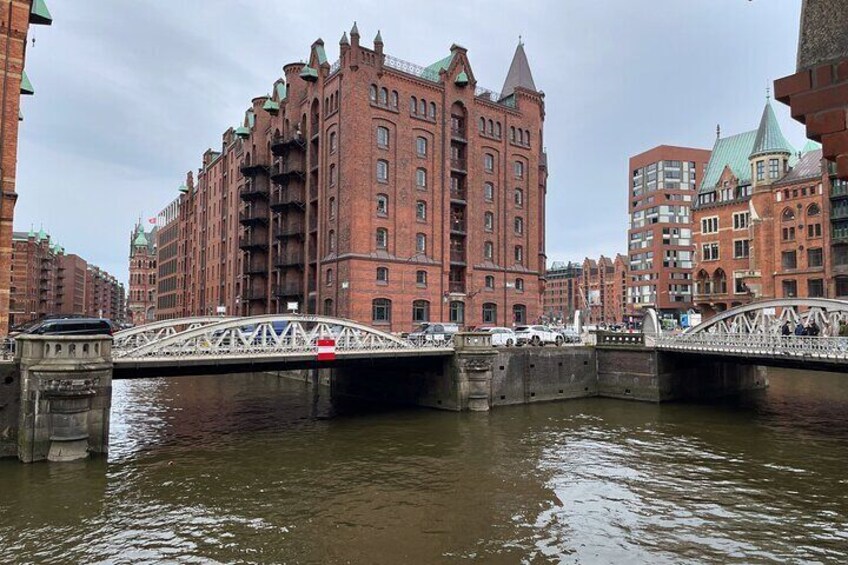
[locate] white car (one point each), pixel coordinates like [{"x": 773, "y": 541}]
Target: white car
[
  {"x": 501, "y": 337},
  {"x": 537, "y": 335}
]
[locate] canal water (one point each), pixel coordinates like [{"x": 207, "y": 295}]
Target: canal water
[{"x": 255, "y": 469}]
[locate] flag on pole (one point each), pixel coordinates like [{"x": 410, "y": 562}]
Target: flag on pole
[
  {"x": 151, "y": 220},
  {"x": 326, "y": 349}
]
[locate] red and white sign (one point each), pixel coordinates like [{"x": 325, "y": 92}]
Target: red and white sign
[{"x": 326, "y": 349}]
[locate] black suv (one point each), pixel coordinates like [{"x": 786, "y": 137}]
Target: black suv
[{"x": 70, "y": 326}]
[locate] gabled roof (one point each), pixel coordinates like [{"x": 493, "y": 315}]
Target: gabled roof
[
  {"x": 769, "y": 137},
  {"x": 140, "y": 239},
  {"x": 519, "y": 73},
  {"x": 432, "y": 72},
  {"x": 810, "y": 146},
  {"x": 733, "y": 152},
  {"x": 808, "y": 167}
]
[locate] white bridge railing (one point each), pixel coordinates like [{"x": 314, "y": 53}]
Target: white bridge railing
[{"x": 757, "y": 345}]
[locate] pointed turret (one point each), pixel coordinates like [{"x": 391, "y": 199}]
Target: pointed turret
[
  {"x": 354, "y": 31},
  {"x": 519, "y": 74},
  {"x": 344, "y": 40},
  {"x": 769, "y": 137},
  {"x": 140, "y": 239},
  {"x": 378, "y": 38}
]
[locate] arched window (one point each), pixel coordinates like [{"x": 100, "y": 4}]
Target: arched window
[
  {"x": 788, "y": 215},
  {"x": 519, "y": 254},
  {"x": 512, "y": 133},
  {"x": 488, "y": 250},
  {"x": 527, "y": 137},
  {"x": 519, "y": 285},
  {"x": 328, "y": 306},
  {"x": 329, "y": 277},
  {"x": 420, "y": 243},
  {"x": 394, "y": 99},
  {"x": 413, "y": 105},
  {"x": 381, "y": 310},
  {"x": 382, "y": 205},
  {"x": 489, "y": 162},
  {"x": 421, "y": 210},
  {"x": 422, "y": 108},
  {"x": 813, "y": 210},
  {"x": 421, "y": 278},
  {"x": 521, "y": 137},
  {"x": 489, "y": 282},
  {"x": 482, "y": 125},
  {"x": 383, "y": 275},
  {"x": 382, "y": 171},
  {"x": 519, "y": 314},
  {"x": 518, "y": 225},
  {"x": 490, "y": 313},
  {"x": 332, "y": 208},
  {"x": 333, "y": 142},
  {"x": 432, "y": 110},
  {"x": 384, "y": 96},
  {"x": 457, "y": 312},
  {"x": 421, "y": 146},
  {"x": 720, "y": 281},
  {"x": 488, "y": 221},
  {"x": 518, "y": 168},
  {"x": 498, "y": 130},
  {"x": 703, "y": 283},
  {"x": 382, "y": 136},
  {"x": 519, "y": 197},
  {"x": 420, "y": 311},
  {"x": 382, "y": 238},
  {"x": 333, "y": 175},
  {"x": 491, "y": 127},
  {"x": 488, "y": 191},
  {"x": 421, "y": 178},
  {"x": 331, "y": 241},
  {"x": 372, "y": 93}
]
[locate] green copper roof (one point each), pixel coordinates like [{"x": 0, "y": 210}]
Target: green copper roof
[
  {"x": 41, "y": 235},
  {"x": 39, "y": 14},
  {"x": 140, "y": 239},
  {"x": 769, "y": 137},
  {"x": 31, "y": 232},
  {"x": 183, "y": 188},
  {"x": 271, "y": 106},
  {"x": 733, "y": 152},
  {"x": 432, "y": 72},
  {"x": 281, "y": 91},
  {"x": 320, "y": 53},
  {"x": 242, "y": 131},
  {"x": 810, "y": 146},
  {"x": 308, "y": 73},
  {"x": 461, "y": 79},
  {"x": 251, "y": 119},
  {"x": 26, "y": 85}
]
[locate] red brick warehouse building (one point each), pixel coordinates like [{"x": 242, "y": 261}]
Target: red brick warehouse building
[{"x": 377, "y": 190}]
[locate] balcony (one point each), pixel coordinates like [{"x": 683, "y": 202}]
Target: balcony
[
  {"x": 289, "y": 197},
  {"x": 839, "y": 213},
  {"x": 252, "y": 190},
  {"x": 253, "y": 241},
  {"x": 458, "y": 195},
  {"x": 256, "y": 268},
  {"x": 289, "y": 290},
  {"x": 457, "y": 225},
  {"x": 281, "y": 172},
  {"x": 458, "y": 165},
  {"x": 839, "y": 189},
  {"x": 249, "y": 169},
  {"x": 281, "y": 144},
  {"x": 456, "y": 287},
  {"x": 254, "y": 294},
  {"x": 458, "y": 134},
  {"x": 839, "y": 234},
  {"x": 291, "y": 230},
  {"x": 253, "y": 217},
  {"x": 457, "y": 256},
  {"x": 289, "y": 259}
]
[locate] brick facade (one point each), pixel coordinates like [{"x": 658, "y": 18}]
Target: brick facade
[
  {"x": 375, "y": 190},
  {"x": 603, "y": 290},
  {"x": 561, "y": 298},
  {"x": 15, "y": 18},
  {"x": 141, "y": 301},
  {"x": 662, "y": 185}
]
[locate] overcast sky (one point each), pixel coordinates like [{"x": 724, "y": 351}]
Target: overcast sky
[{"x": 129, "y": 93}]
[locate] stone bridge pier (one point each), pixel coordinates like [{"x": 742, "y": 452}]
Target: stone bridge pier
[{"x": 65, "y": 397}]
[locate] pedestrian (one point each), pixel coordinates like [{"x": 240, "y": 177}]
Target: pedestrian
[
  {"x": 813, "y": 330},
  {"x": 786, "y": 330},
  {"x": 800, "y": 329}
]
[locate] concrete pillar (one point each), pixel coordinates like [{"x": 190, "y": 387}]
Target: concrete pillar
[
  {"x": 66, "y": 396},
  {"x": 472, "y": 367}
]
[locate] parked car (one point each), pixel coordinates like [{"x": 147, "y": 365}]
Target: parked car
[
  {"x": 70, "y": 326},
  {"x": 537, "y": 335},
  {"x": 570, "y": 335},
  {"x": 433, "y": 332},
  {"x": 501, "y": 337}
]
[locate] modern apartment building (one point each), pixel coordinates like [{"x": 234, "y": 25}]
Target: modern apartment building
[
  {"x": 663, "y": 184},
  {"x": 44, "y": 280},
  {"x": 561, "y": 298},
  {"x": 15, "y": 18},
  {"x": 769, "y": 222},
  {"x": 141, "y": 302},
  {"x": 372, "y": 189}
]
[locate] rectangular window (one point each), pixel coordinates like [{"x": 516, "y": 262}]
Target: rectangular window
[
  {"x": 814, "y": 230},
  {"x": 740, "y": 248},
  {"x": 421, "y": 146},
  {"x": 740, "y": 220},
  {"x": 789, "y": 260},
  {"x": 761, "y": 170},
  {"x": 709, "y": 225},
  {"x": 488, "y": 162},
  {"x": 788, "y": 234},
  {"x": 774, "y": 168},
  {"x": 815, "y": 288},
  {"x": 790, "y": 288},
  {"x": 739, "y": 286},
  {"x": 709, "y": 252},
  {"x": 814, "y": 257}
]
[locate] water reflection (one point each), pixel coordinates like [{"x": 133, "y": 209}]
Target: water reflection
[{"x": 251, "y": 468}]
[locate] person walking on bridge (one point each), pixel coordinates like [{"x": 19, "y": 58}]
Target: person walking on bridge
[
  {"x": 785, "y": 329},
  {"x": 800, "y": 330}
]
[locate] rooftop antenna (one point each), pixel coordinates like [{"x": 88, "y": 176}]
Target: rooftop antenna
[
  {"x": 768, "y": 93},
  {"x": 718, "y": 131}
]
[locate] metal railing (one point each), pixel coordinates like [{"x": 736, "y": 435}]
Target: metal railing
[
  {"x": 456, "y": 286},
  {"x": 458, "y": 164},
  {"x": 410, "y": 68},
  {"x": 458, "y": 194},
  {"x": 762, "y": 345},
  {"x": 457, "y": 255}
]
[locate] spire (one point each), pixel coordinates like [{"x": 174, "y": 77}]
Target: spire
[
  {"x": 140, "y": 239},
  {"x": 354, "y": 30},
  {"x": 769, "y": 137},
  {"x": 519, "y": 74},
  {"x": 31, "y": 233},
  {"x": 378, "y": 38},
  {"x": 718, "y": 131},
  {"x": 344, "y": 40}
]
